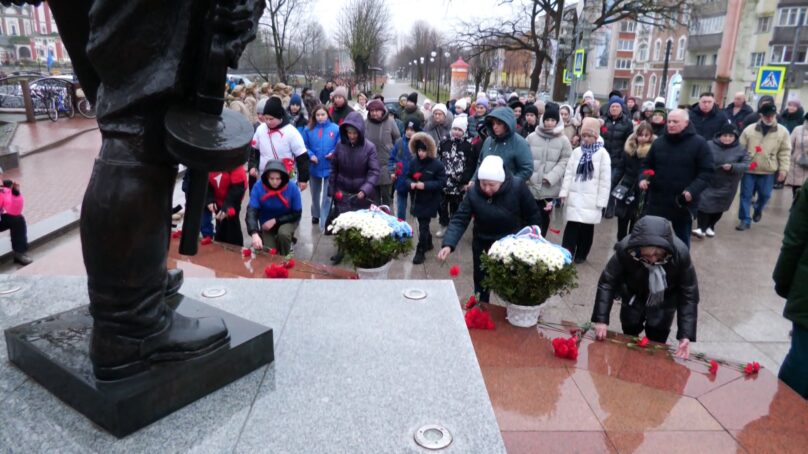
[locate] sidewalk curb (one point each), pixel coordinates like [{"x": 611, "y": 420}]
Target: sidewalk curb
[{"x": 57, "y": 143}]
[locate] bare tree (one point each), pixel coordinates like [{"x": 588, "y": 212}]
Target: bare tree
[
  {"x": 363, "y": 32},
  {"x": 534, "y": 22},
  {"x": 284, "y": 19}
]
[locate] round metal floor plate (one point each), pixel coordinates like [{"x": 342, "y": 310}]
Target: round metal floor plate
[
  {"x": 213, "y": 292},
  {"x": 9, "y": 290},
  {"x": 433, "y": 436},
  {"x": 414, "y": 294}
]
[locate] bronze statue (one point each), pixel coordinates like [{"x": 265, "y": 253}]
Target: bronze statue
[{"x": 155, "y": 70}]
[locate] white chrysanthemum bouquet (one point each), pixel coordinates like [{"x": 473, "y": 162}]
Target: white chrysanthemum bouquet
[{"x": 371, "y": 238}]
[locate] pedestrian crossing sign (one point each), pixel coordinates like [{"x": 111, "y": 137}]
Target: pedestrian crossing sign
[
  {"x": 567, "y": 77},
  {"x": 770, "y": 80}
]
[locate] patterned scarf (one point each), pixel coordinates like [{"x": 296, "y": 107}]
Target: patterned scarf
[
  {"x": 275, "y": 193},
  {"x": 586, "y": 170}
]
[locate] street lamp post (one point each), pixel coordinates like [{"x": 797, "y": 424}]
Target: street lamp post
[{"x": 423, "y": 76}]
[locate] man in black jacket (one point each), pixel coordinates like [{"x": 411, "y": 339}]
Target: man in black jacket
[
  {"x": 738, "y": 110},
  {"x": 652, "y": 273},
  {"x": 680, "y": 165},
  {"x": 706, "y": 117},
  {"x": 499, "y": 205},
  {"x": 618, "y": 127}
]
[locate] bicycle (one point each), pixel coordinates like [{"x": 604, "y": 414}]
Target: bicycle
[
  {"x": 57, "y": 105},
  {"x": 84, "y": 106}
]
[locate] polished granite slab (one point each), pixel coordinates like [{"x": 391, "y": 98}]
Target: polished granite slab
[
  {"x": 619, "y": 399},
  {"x": 358, "y": 368}
]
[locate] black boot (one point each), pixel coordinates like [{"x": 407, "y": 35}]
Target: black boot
[
  {"x": 116, "y": 356},
  {"x": 419, "y": 257},
  {"x": 336, "y": 259}
]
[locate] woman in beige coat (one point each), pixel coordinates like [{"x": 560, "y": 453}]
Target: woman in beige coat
[{"x": 798, "y": 173}]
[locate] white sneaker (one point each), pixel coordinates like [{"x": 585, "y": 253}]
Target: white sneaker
[
  {"x": 710, "y": 232},
  {"x": 441, "y": 231},
  {"x": 698, "y": 232}
]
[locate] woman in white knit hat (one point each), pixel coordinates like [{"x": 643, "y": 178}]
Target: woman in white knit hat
[{"x": 585, "y": 191}]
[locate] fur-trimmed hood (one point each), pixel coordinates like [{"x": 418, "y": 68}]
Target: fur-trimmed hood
[
  {"x": 632, "y": 148},
  {"x": 426, "y": 139}
]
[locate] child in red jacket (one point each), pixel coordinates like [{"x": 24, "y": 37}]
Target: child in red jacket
[{"x": 225, "y": 192}]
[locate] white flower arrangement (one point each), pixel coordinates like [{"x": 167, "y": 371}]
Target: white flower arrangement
[
  {"x": 527, "y": 251},
  {"x": 369, "y": 226}
]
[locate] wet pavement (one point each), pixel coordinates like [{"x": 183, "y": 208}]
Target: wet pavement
[{"x": 612, "y": 398}]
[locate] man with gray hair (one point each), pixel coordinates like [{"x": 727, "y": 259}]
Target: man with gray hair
[
  {"x": 678, "y": 168},
  {"x": 738, "y": 110}
]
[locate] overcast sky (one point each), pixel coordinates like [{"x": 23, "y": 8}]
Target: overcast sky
[{"x": 441, "y": 14}]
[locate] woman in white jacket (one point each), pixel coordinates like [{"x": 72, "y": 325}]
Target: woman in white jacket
[{"x": 585, "y": 191}]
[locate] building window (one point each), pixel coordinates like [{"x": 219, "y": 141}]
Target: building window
[
  {"x": 623, "y": 63},
  {"x": 789, "y": 17},
  {"x": 651, "y": 87},
  {"x": 639, "y": 85},
  {"x": 13, "y": 30},
  {"x": 701, "y": 60},
  {"x": 625, "y": 44},
  {"x": 680, "y": 48},
  {"x": 784, "y": 54},
  {"x": 620, "y": 84},
  {"x": 715, "y": 59},
  {"x": 657, "y": 46},
  {"x": 756, "y": 59},
  {"x": 764, "y": 24},
  {"x": 695, "y": 91},
  {"x": 628, "y": 26},
  {"x": 642, "y": 52},
  {"x": 707, "y": 26}
]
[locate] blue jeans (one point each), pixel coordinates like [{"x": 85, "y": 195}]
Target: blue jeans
[
  {"x": 207, "y": 223},
  {"x": 794, "y": 371},
  {"x": 751, "y": 184},
  {"x": 320, "y": 201},
  {"x": 401, "y": 204}
]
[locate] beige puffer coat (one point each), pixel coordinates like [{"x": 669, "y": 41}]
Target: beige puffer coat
[
  {"x": 797, "y": 174},
  {"x": 550, "y": 151}
]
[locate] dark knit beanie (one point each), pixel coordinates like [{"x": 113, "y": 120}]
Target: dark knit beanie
[
  {"x": 413, "y": 124},
  {"x": 531, "y": 108},
  {"x": 274, "y": 108},
  {"x": 552, "y": 110},
  {"x": 413, "y": 97}
]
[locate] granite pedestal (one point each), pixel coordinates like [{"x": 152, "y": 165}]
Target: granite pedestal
[
  {"x": 54, "y": 351},
  {"x": 358, "y": 369}
]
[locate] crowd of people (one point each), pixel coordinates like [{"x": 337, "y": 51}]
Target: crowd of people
[{"x": 503, "y": 164}]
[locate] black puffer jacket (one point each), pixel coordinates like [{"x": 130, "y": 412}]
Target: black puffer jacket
[
  {"x": 614, "y": 139},
  {"x": 425, "y": 202},
  {"x": 707, "y": 124},
  {"x": 508, "y": 211},
  {"x": 738, "y": 118},
  {"x": 627, "y": 277},
  {"x": 681, "y": 162}
]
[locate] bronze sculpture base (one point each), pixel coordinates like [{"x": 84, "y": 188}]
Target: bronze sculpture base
[{"x": 54, "y": 351}]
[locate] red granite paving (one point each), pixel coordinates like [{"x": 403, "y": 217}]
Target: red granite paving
[{"x": 32, "y": 136}]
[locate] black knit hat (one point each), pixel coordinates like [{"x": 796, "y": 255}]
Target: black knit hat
[
  {"x": 516, "y": 103},
  {"x": 728, "y": 128},
  {"x": 531, "y": 108},
  {"x": 414, "y": 124},
  {"x": 413, "y": 97},
  {"x": 274, "y": 108},
  {"x": 552, "y": 110}
]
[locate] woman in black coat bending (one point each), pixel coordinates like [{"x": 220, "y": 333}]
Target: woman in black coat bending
[{"x": 652, "y": 273}]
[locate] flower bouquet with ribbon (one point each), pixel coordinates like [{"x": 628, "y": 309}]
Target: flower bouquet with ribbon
[
  {"x": 525, "y": 270},
  {"x": 371, "y": 238}
]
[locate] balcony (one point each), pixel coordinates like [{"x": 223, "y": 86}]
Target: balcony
[
  {"x": 704, "y": 42},
  {"x": 699, "y": 72},
  {"x": 711, "y": 8},
  {"x": 785, "y": 35}
]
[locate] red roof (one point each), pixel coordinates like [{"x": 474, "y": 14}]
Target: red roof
[{"x": 459, "y": 64}]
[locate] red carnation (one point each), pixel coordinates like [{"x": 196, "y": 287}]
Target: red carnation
[
  {"x": 289, "y": 264},
  {"x": 471, "y": 302},
  {"x": 231, "y": 212},
  {"x": 555, "y": 231},
  {"x": 603, "y": 129},
  {"x": 478, "y": 319},
  {"x": 176, "y": 234},
  {"x": 566, "y": 348},
  {"x": 254, "y": 143},
  {"x": 417, "y": 176},
  {"x": 206, "y": 240},
  {"x": 758, "y": 149},
  {"x": 289, "y": 164},
  {"x": 753, "y": 166},
  {"x": 454, "y": 271},
  {"x": 246, "y": 252},
  {"x": 338, "y": 195},
  {"x": 752, "y": 368},
  {"x": 713, "y": 367},
  {"x": 273, "y": 251},
  {"x": 649, "y": 172},
  {"x": 275, "y": 271},
  {"x": 643, "y": 342}
]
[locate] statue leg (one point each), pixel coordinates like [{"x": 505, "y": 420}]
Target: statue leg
[{"x": 125, "y": 228}]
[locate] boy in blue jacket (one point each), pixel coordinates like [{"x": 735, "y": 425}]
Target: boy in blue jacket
[
  {"x": 321, "y": 137},
  {"x": 426, "y": 179},
  {"x": 399, "y": 166},
  {"x": 274, "y": 210}
]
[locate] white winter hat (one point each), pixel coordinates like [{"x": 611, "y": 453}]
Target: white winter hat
[
  {"x": 427, "y": 101},
  {"x": 260, "y": 107},
  {"x": 440, "y": 108},
  {"x": 491, "y": 169},
  {"x": 462, "y": 104},
  {"x": 659, "y": 100},
  {"x": 461, "y": 123},
  {"x": 589, "y": 94}
]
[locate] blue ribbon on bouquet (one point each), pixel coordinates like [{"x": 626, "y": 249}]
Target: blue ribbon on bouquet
[
  {"x": 533, "y": 233},
  {"x": 400, "y": 228}
]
